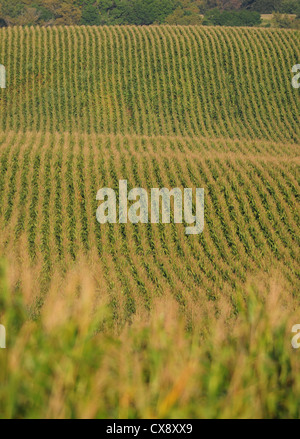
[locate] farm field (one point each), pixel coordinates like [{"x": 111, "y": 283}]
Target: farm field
[{"x": 124, "y": 320}]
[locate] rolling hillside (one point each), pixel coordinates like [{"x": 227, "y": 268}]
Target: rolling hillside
[
  {"x": 175, "y": 81},
  {"x": 48, "y": 186}
]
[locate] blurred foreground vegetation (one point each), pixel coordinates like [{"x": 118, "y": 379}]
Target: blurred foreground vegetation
[{"x": 230, "y": 359}]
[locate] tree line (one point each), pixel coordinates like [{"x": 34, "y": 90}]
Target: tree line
[{"x": 143, "y": 12}]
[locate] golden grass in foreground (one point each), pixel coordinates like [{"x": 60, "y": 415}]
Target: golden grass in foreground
[{"x": 73, "y": 362}]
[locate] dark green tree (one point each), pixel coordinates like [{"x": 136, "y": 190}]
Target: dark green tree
[
  {"x": 262, "y": 6},
  {"x": 12, "y": 8},
  {"x": 215, "y": 17},
  {"x": 90, "y": 15},
  {"x": 143, "y": 12}
]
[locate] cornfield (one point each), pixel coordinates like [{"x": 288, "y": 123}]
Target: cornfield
[
  {"x": 160, "y": 106},
  {"x": 164, "y": 80}
]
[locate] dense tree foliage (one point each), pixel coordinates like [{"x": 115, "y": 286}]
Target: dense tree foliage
[
  {"x": 232, "y": 18},
  {"x": 139, "y": 12}
]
